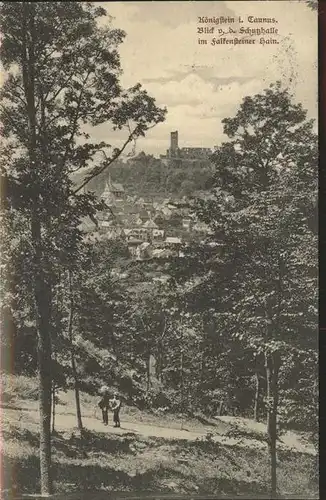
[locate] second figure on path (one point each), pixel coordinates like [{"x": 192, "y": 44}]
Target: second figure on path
[{"x": 115, "y": 406}]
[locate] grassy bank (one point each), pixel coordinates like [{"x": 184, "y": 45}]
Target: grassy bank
[
  {"x": 132, "y": 463},
  {"x": 104, "y": 460}
]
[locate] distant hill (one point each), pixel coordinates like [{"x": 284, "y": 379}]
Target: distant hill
[{"x": 145, "y": 175}]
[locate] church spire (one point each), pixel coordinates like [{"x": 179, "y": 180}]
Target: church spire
[{"x": 109, "y": 183}]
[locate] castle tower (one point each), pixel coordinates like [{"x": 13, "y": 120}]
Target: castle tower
[{"x": 174, "y": 143}]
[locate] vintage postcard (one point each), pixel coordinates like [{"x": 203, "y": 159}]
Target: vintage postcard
[{"x": 159, "y": 249}]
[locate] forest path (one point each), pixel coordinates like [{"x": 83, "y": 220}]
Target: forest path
[{"x": 228, "y": 431}]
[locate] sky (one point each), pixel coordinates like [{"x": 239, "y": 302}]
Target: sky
[{"x": 202, "y": 84}]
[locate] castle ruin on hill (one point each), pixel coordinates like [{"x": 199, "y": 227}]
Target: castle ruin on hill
[{"x": 184, "y": 155}]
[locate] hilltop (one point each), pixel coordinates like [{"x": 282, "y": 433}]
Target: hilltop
[{"x": 150, "y": 177}]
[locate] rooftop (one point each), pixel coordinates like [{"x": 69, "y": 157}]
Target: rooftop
[
  {"x": 150, "y": 224},
  {"x": 173, "y": 239}
]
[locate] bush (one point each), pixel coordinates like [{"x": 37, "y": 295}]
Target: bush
[
  {"x": 18, "y": 386},
  {"x": 299, "y": 416}
]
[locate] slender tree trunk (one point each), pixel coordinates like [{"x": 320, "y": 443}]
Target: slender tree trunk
[
  {"x": 257, "y": 397},
  {"x": 160, "y": 356},
  {"x": 272, "y": 365},
  {"x": 202, "y": 367},
  {"x": 55, "y": 386},
  {"x": 148, "y": 370},
  {"x": 44, "y": 380},
  {"x": 42, "y": 299},
  {"x": 148, "y": 356},
  {"x": 53, "y": 400},
  {"x": 159, "y": 363},
  {"x": 77, "y": 395},
  {"x": 53, "y": 407},
  {"x": 181, "y": 388},
  {"x": 42, "y": 288},
  {"x": 72, "y": 353}
]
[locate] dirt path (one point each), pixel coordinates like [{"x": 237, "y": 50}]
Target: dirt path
[
  {"x": 26, "y": 415},
  {"x": 66, "y": 422}
]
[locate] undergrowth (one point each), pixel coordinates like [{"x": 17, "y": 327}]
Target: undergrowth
[{"x": 104, "y": 461}]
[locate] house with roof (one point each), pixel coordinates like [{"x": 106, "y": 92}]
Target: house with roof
[
  {"x": 150, "y": 224},
  {"x": 162, "y": 253},
  {"x": 201, "y": 227},
  {"x": 173, "y": 242},
  {"x": 137, "y": 234},
  {"x": 113, "y": 192},
  {"x": 187, "y": 223},
  {"x": 106, "y": 223},
  {"x": 155, "y": 233},
  {"x": 87, "y": 225},
  {"x": 158, "y": 234},
  {"x": 132, "y": 220},
  {"x": 131, "y": 199}
]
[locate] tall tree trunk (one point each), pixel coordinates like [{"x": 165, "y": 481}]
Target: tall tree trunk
[
  {"x": 159, "y": 364},
  {"x": 72, "y": 352},
  {"x": 77, "y": 395},
  {"x": 53, "y": 407},
  {"x": 59, "y": 306},
  {"x": 148, "y": 371},
  {"x": 201, "y": 367},
  {"x": 44, "y": 380},
  {"x": 257, "y": 397},
  {"x": 181, "y": 388},
  {"x": 53, "y": 396},
  {"x": 160, "y": 354},
  {"x": 160, "y": 361},
  {"x": 42, "y": 288},
  {"x": 272, "y": 365}
]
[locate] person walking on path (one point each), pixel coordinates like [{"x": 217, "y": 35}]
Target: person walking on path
[
  {"x": 104, "y": 404},
  {"x": 115, "y": 406}
]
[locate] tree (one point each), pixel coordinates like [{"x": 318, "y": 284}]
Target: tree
[
  {"x": 263, "y": 218},
  {"x": 187, "y": 187},
  {"x": 62, "y": 72},
  {"x": 72, "y": 348},
  {"x": 148, "y": 317}
]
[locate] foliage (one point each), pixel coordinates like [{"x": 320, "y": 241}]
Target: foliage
[
  {"x": 20, "y": 387},
  {"x": 76, "y": 71},
  {"x": 145, "y": 175},
  {"x": 244, "y": 295},
  {"x": 62, "y": 72}
]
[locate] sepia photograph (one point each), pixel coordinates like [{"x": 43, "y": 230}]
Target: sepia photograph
[{"x": 159, "y": 250}]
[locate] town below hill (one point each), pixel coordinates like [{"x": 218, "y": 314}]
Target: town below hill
[{"x": 151, "y": 228}]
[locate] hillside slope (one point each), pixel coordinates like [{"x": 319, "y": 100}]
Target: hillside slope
[{"x": 152, "y": 453}]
